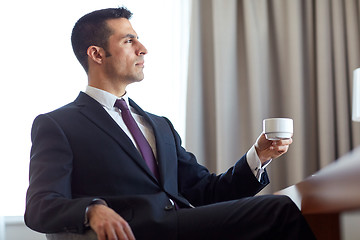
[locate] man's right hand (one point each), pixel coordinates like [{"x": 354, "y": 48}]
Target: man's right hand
[{"x": 107, "y": 224}]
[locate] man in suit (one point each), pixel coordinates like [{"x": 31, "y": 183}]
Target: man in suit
[{"x": 88, "y": 169}]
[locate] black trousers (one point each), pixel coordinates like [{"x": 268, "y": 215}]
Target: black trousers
[{"x": 260, "y": 217}]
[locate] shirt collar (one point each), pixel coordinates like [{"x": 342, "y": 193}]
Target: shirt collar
[{"x": 105, "y": 98}]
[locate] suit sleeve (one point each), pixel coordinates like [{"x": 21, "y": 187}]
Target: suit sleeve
[
  {"x": 49, "y": 204},
  {"x": 201, "y": 187}
]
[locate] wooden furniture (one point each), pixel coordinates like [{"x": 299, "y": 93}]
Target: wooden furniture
[{"x": 326, "y": 194}]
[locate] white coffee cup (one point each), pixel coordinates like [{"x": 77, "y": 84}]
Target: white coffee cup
[{"x": 278, "y": 128}]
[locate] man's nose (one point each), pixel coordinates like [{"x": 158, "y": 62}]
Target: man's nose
[{"x": 141, "y": 50}]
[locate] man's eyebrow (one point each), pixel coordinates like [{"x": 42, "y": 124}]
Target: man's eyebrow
[{"x": 130, "y": 36}]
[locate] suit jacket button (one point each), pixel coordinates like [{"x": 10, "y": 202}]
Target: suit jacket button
[{"x": 169, "y": 207}]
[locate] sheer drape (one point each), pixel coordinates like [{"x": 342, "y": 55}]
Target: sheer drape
[{"x": 255, "y": 59}]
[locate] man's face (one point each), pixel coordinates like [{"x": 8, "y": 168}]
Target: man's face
[{"x": 125, "y": 61}]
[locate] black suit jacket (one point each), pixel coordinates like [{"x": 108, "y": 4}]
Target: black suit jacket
[{"x": 79, "y": 153}]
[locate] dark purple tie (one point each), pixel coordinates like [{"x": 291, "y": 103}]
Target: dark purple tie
[{"x": 141, "y": 142}]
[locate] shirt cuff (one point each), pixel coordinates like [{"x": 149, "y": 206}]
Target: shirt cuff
[{"x": 254, "y": 163}]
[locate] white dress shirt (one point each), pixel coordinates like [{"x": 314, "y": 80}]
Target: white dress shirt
[{"x": 107, "y": 100}]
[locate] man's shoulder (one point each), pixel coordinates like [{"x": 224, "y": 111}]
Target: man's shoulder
[
  {"x": 71, "y": 107},
  {"x": 67, "y": 107}
]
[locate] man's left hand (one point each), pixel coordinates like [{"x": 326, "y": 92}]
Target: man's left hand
[{"x": 270, "y": 149}]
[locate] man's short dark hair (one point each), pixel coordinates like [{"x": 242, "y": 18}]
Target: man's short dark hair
[{"x": 92, "y": 30}]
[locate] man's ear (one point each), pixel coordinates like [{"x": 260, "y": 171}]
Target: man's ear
[{"x": 96, "y": 54}]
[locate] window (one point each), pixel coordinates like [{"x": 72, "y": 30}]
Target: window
[{"x": 40, "y": 72}]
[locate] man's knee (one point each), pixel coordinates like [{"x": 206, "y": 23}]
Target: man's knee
[
  {"x": 278, "y": 209},
  {"x": 285, "y": 200},
  {"x": 284, "y": 204},
  {"x": 281, "y": 201}
]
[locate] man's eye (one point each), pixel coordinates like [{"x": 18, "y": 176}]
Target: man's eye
[{"x": 129, "y": 41}]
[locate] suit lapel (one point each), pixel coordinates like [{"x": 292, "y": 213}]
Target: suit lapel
[
  {"x": 167, "y": 170},
  {"x": 97, "y": 114},
  {"x": 166, "y": 153}
]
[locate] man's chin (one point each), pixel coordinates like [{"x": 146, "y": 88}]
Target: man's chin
[
  {"x": 140, "y": 79},
  {"x": 136, "y": 80}
]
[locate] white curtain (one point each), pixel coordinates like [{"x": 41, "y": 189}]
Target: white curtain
[
  {"x": 254, "y": 59},
  {"x": 2, "y": 228}
]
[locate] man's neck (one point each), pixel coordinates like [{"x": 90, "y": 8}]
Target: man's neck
[{"x": 117, "y": 90}]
